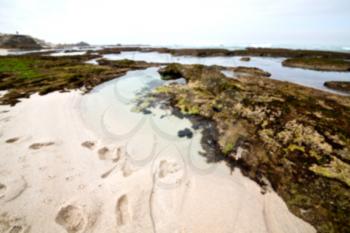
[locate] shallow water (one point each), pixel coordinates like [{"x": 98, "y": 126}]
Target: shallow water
[
  {"x": 64, "y": 53},
  {"x": 109, "y": 110},
  {"x": 274, "y": 66}
]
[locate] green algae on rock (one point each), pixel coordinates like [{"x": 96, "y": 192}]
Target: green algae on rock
[
  {"x": 317, "y": 63},
  {"x": 29, "y": 74},
  {"x": 295, "y": 137}
]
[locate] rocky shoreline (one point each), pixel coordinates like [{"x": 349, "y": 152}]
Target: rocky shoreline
[
  {"x": 319, "y": 64},
  {"x": 248, "y": 52},
  {"x": 338, "y": 85},
  {"x": 293, "y": 138},
  {"x": 24, "y": 75}
]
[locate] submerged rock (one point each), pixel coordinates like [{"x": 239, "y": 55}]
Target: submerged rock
[{"x": 185, "y": 133}]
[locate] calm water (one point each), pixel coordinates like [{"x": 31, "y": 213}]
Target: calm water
[
  {"x": 109, "y": 111},
  {"x": 304, "y": 77}
]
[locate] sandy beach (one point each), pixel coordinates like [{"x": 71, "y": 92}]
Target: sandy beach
[
  {"x": 174, "y": 117},
  {"x": 58, "y": 175}
]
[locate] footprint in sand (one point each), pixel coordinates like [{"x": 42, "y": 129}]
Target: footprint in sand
[
  {"x": 88, "y": 144},
  {"x": 19, "y": 229},
  {"x": 2, "y": 190},
  {"x": 168, "y": 195},
  {"x": 105, "y": 153},
  {"x": 12, "y": 188},
  {"x": 13, "y": 224},
  {"x": 72, "y": 219},
  {"x": 5, "y": 119},
  {"x": 169, "y": 168},
  {"x": 166, "y": 168},
  {"x": 78, "y": 217},
  {"x": 37, "y": 146},
  {"x": 122, "y": 211},
  {"x": 132, "y": 212},
  {"x": 168, "y": 173},
  {"x": 127, "y": 169},
  {"x": 12, "y": 140}
]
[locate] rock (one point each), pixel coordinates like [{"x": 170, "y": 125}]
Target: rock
[
  {"x": 82, "y": 44},
  {"x": 338, "y": 85},
  {"x": 242, "y": 71},
  {"x": 171, "y": 72},
  {"x": 296, "y": 137},
  {"x": 318, "y": 63},
  {"x": 245, "y": 59},
  {"x": 146, "y": 111},
  {"x": 18, "y": 42},
  {"x": 185, "y": 133}
]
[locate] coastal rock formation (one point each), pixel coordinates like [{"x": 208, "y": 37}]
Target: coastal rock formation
[
  {"x": 242, "y": 71},
  {"x": 248, "y": 52},
  {"x": 29, "y": 74},
  {"x": 174, "y": 71},
  {"x": 338, "y": 85},
  {"x": 294, "y": 138},
  {"x": 321, "y": 64},
  {"x": 245, "y": 59},
  {"x": 81, "y": 44},
  {"x": 8, "y": 41}
]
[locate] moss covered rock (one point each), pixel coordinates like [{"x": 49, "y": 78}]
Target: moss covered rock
[{"x": 297, "y": 138}]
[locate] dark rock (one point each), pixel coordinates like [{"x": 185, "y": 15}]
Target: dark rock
[
  {"x": 185, "y": 133},
  {"x": 245, "y": 59},
  {"x": 146, "y": 112},
  {"x": 170, "y": 72}
]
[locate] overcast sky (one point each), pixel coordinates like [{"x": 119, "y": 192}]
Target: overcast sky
[{"x": 183, "y": 22}]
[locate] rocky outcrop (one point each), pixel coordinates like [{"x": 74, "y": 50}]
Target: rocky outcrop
[
  {"x": 82, "y": 44},
  {"x": 252, "y": 52},
  {"x": 321, "y": 64},
  {"x": 24, "y": 75},
  {"x": 295, "y": 138},
  {"x": 19, "y": 42},
  {"x": 245, "y": 59},
  {"x": 338, "y": 85},
  {"x": 242, "y": 71}
]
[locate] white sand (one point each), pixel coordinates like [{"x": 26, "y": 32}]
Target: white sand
[
  {"x": 61, "y": 186},
  {"x": 3, "y": 52}
]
